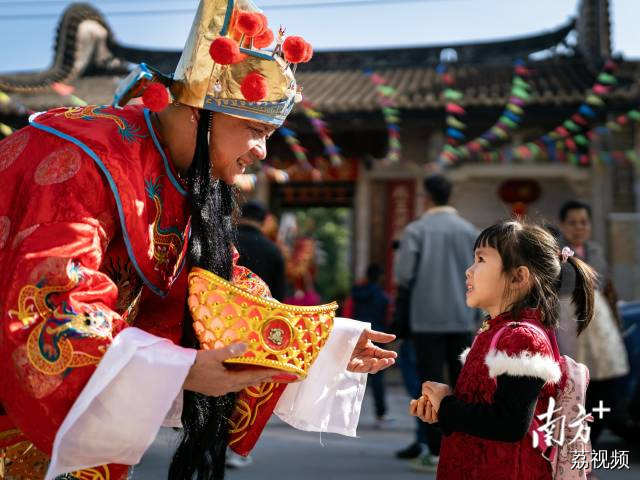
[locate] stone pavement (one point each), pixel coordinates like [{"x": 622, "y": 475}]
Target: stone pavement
[{"x": 284, "y": 453}]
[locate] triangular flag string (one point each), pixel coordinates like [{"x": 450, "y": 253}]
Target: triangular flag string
[
  {"x": 455, "y": 113},
  {"x": 566, "y": 150},
  {"x": 5, "y": 99},
  {"x": 299, "y": 152},
  {"x": 385, "y": 95},
  {"x": 320, "y": 127},
  {"x": 509, "y": 121},
  {"x": 66, "y": 91},
  {"x": 61, "y": 89},
  {"x": 570, "y": 141}
]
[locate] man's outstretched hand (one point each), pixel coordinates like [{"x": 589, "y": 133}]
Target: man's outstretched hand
[{"x": 367, "y": 357}]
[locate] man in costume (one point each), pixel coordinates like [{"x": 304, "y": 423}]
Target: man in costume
[{"x": 103, "y": 212}]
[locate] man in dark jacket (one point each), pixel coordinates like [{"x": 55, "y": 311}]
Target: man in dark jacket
[
  {"x": 370, "y": 304},
  {"x": 257, "y": 252}
]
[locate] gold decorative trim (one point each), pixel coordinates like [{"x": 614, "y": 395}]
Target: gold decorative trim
[
  {"x": 266, "y": 302},
  {"x": 96, "y": 473},
  {"x": 279, "y": 336},
  {"x": 9, "y": 433},
  {"x": 22, "y": 461}
]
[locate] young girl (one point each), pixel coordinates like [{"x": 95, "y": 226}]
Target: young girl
[{"x": 515, "y": 277}]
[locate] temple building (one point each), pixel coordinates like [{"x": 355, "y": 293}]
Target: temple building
[{"x": 563, "y": 63}]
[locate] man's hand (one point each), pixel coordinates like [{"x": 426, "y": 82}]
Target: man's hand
[
  {"x": 435, "y": 392},
  {"x": 368, "y": 358},
  {"x": 209, "y": 376},
  {"x": 423, "y": 409}
]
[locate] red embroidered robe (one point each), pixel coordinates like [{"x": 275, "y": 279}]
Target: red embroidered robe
[{"x": 93, "y": 237}]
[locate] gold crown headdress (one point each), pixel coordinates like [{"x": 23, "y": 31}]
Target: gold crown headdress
[
  {"x": 225, "y": 66},
  {"x": 280, "y": 336}
]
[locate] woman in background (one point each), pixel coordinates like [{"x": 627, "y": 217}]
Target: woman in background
[{"x": 600, "y": 347}]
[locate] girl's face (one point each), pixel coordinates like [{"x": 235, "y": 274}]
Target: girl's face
[
  {"x": 486, "y": 282},
  {"x": 235, "y": 144}
]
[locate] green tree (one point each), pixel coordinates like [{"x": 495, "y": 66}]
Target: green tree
[{"x": 331, "y": 228}]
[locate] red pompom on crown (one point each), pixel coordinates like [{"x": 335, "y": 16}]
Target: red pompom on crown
[
  {"x": 234, "y": 19},
  {"x": 265, "y": 22},
  {"x": 224, "y": 51},
  {"x": 155, "y": 97},
  {"x": 233, "y": 28},
  {"x": 250, "y": 23},
  {"x": 254, "y": 87},
  {"x": 308, "y": 53},
  {"x": 295, "y": 49},
  {"x": 264, "y": 39}
]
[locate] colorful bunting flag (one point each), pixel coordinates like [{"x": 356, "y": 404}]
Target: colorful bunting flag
[{"x": 386, "y": 100}]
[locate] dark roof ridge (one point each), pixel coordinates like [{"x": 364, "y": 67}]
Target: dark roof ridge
[
  {"x": 560, "y": 31},
  {"x": 71, "y": 59},
  {"x": 492, "y": 51}
]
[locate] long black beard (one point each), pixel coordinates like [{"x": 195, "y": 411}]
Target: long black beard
[{"x": 205, "y": 420}]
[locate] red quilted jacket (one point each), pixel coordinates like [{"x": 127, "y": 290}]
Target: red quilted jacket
[{"x": 520, "y": 351}]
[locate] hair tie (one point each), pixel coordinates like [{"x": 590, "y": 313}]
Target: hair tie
[{"x": 565, "y": 254}]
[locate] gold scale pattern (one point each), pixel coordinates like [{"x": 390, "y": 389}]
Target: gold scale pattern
[{"x": 281, "y": 336}]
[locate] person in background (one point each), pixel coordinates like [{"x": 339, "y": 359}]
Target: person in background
[
  {"x": 371, "y": 304},
  {"x": 407, "y": 362},
  {"x": 270, "y": 227},
  {"x": 257, "y": 252},
  {"x": 260, "y": 255},
  {"x": 600, "y": 347},
  {"x": 435, "y": 251}
]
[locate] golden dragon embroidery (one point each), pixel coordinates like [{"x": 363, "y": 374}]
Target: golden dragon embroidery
[{"x": 48, "y": 346}]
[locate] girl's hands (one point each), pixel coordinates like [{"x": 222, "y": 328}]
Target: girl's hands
[
  {"x": 435, "y": 392},
  {"x": 423, "y": 409}
]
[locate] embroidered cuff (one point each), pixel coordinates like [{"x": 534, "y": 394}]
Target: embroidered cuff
[{"x": 524, "y": 364}]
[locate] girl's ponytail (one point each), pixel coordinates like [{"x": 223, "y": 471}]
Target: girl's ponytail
[{"x": 583, "y": 292}]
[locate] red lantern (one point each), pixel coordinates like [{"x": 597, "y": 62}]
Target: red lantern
[
  {"x": 519, "y": 193},
  {"x": 519, "y": 209}
]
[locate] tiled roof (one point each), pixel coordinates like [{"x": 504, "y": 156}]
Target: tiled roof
[
  {"x": 555, "y": 82},
  {"x": 333, "y": 81}
]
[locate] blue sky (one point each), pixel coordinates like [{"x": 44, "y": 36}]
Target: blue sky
[{"x": 27, "y": 27}]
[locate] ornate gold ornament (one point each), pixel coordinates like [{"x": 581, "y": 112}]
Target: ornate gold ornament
[{"x": 285, "y": 337}]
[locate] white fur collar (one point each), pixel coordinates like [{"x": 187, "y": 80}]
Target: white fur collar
[
  {"x": 524, "y": 364},
  {"x": 463, "y": 355}
]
